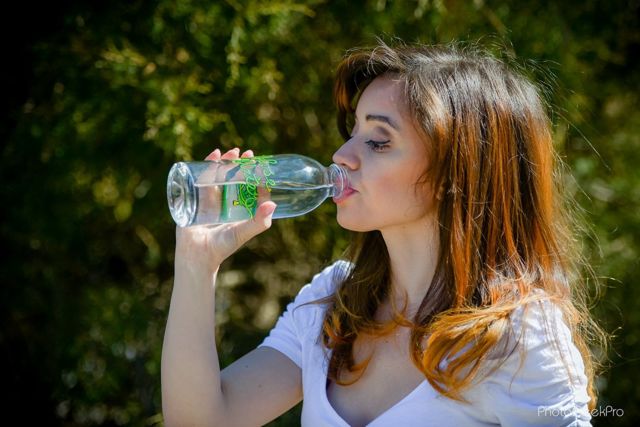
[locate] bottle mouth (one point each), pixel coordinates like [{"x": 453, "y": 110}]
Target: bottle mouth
[
  {"x": 339, "y": 178},
  {"x": 182, "y": 194}
]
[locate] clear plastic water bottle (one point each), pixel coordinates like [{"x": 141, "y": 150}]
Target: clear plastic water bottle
[{"x": 217, "y": 192}]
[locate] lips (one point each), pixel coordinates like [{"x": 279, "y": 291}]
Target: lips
[{"x": 345, "y": 194}]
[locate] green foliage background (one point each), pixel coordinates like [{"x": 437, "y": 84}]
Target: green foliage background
[{"x": 113, "y": 93}]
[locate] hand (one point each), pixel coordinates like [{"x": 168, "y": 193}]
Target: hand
[{"x": 205, "y": 247}]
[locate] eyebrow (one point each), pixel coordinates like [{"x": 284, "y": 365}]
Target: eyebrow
[{"x": 383, "y": 119}]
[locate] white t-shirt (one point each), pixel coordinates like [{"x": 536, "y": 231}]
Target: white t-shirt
[{"x": 540, "y": 393}]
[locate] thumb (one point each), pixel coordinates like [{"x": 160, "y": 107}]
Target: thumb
[
  {"x": 256, "y": 225},
  {"x": 264, "y": 214}
]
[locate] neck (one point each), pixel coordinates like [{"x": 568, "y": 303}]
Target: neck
[{"x": 413, "y": 253}]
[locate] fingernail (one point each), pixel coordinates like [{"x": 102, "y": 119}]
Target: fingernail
[
  {"x": 216, "y": 151},
  {"x": 271, "y": 210}
]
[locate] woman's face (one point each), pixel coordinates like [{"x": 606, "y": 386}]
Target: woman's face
[{"x": 385, "y": 157}]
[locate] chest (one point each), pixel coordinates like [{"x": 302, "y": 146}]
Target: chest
[{"x": 389, "y": 377}]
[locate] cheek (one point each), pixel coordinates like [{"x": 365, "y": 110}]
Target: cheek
[
  {"x": 397, "y": 188},
  {"x": 400, "y": 195}
]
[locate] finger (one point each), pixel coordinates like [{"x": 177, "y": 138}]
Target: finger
[
  {"x": 246, "y": 154},
  {"x": 214, "y": 155},
  {"x": 231, "y": 154},
  {"x": 260, "y": 222}
]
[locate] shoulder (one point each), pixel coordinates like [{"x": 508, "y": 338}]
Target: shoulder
[
  {"x": 324, "y": 283},
  {"x": 541, "y": 331},
  {"x": 309, "y": 305},
  {"x": 297, "y": 327},
  {"x": 541, "y": 376},
  {"x": 541, "y": 342}
]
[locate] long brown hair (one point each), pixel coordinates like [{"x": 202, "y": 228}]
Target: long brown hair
[{"x": 505, "y": 231}]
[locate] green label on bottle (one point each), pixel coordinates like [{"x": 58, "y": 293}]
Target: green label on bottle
[{"x": 248, "y": 192}]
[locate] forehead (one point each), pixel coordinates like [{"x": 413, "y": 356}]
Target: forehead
[{"x": 384, "y": 94}]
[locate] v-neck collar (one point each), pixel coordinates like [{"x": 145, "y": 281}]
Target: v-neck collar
[{"x": 329, "y": 406}]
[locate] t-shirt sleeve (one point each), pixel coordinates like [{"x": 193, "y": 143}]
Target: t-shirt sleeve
[
  {"x": 299, "y": 319},
  {"x": 533, "y": 387}
]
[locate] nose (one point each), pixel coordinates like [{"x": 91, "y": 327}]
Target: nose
[{"x": 346, "y": 156}]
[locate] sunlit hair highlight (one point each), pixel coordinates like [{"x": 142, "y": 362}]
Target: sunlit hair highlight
[{"x": 507, "y": 238}]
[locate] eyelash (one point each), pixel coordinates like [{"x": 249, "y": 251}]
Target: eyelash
[{"x": 377, "y": 146}]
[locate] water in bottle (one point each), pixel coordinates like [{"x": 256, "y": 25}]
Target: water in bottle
[{"x": 216, "y": 192}]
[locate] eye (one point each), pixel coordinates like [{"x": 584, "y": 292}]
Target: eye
[{"x": 377, "y": 146}]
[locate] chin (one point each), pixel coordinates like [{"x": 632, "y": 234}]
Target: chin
[{"x": 353, "y": 224}]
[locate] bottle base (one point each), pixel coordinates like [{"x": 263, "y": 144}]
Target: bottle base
[{"x": 182, "y": 195}]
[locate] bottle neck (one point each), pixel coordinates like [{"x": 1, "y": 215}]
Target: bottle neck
[{"x": 338, "y": 178}]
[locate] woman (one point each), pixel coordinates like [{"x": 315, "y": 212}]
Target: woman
[{"x": 457, "y": 305}]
